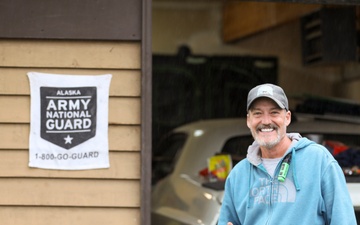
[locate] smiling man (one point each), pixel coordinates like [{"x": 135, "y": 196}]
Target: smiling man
[{"x": 285, "y": 178}]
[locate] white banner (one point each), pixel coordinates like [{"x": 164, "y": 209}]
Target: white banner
[{"x": 69, "y": 121}]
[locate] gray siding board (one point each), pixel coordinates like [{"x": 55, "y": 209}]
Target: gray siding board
[{"x": 71, "y": 19}]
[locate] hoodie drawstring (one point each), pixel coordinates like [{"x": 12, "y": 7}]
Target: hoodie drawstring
[
  {"x": 250, "y": 184},
  {"x": 293, "y": 165}
]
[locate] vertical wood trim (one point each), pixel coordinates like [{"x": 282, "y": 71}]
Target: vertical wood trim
[{"x": 146, "y": 112}]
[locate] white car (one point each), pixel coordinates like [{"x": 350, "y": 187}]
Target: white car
[{"x": 181, "y": 195}]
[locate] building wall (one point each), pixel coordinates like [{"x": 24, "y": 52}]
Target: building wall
[{"x": 46, "y": 197}]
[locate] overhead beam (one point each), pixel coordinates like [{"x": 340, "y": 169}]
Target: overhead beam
[{"x": 242, "y": 19}]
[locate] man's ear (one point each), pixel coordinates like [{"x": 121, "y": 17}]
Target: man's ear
[
  {"x": 288, "y": 118},
  {"x": 247, "y": 120}
]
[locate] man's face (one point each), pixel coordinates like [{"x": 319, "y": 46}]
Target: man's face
[{"x": 267, "y": 122}]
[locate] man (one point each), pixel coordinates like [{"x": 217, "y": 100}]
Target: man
[{"x": 285, "y": 179}]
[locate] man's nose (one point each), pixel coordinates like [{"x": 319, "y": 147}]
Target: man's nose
[{"x": 266, "y": 119}]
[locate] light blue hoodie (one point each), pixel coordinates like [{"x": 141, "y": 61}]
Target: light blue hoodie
[{"x": 313, "y": 193}]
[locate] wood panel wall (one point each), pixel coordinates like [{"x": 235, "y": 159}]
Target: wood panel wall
[{"x": 47, "y": 197}]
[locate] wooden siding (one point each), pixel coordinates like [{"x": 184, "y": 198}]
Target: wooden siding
[
  {"x": 121, "y": 138},
  {"x": 65, "y": 54},
  {"x": 67, "y": 216},
  {"x": 103, "y": 196},
  {"x": 125, "y": 83}
]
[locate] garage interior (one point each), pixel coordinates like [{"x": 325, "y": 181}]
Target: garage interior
[{"x": 208, "y": 54}]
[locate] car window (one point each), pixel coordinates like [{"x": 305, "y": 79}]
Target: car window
[
  {"x": 237, "y": 147},
  {"x": 165, "y": 155}
]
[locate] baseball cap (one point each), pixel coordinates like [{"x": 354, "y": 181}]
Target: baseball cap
[{"x": 271, "y": 91}]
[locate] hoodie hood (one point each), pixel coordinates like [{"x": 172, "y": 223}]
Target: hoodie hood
[{"x": 253, "y": 154}]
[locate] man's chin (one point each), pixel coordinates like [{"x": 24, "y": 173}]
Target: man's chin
[
  {"x": 267, "y": 143},
  {"x": 267, "y": 137}
]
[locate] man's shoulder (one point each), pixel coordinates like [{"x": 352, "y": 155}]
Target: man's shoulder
[{"x": 313, "y": 150}]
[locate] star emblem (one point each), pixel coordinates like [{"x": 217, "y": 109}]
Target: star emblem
[{"x": 68, "y": 139}]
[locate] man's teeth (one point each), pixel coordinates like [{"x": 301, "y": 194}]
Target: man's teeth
[{"x": 267, "y": 130}]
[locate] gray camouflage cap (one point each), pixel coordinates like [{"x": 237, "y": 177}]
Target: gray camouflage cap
[{"x": 271, "y": 91}]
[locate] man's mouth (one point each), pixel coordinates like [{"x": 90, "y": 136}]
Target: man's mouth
[{"x": 266, "y": 129}]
